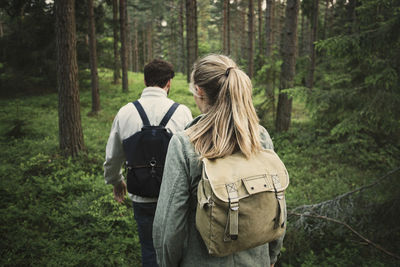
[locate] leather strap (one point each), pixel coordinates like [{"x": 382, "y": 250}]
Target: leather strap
[{"x": 232, "y": 227}]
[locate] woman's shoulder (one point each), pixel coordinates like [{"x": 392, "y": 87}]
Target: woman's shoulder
[{"x": 265, "y": 138}]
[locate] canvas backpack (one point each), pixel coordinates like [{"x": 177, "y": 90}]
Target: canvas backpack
[
  {"x": 145, "y": 153},
  {"x": 241, "y": 202}
]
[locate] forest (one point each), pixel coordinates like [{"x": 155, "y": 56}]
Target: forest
[{"x": 326, "y": 86}]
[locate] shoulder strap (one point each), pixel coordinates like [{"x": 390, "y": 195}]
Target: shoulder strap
[
  {"x": 169, "y": 114},
  {"x": 142, "y": 114}
]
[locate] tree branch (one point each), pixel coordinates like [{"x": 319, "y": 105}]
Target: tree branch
[
  {"x": 348, "y": 227},
  {"x": 379, "y": 180}
]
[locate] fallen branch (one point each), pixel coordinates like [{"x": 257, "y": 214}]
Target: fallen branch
[
  {"x": 348, "y": 227},
  {"x": 379, "y": 180}
]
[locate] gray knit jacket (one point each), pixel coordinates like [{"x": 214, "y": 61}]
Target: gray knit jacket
[{"x": 176, "y": 239}]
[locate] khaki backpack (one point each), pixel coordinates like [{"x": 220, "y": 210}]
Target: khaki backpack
[{"x": 241, "y": 202}]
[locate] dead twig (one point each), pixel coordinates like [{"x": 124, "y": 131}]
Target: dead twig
[{"x": 348, "y": 227}]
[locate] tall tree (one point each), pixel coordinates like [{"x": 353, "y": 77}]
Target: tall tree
[
  {"x": 250, "y": 53},
  {"x": 314, "y": 25},
  {"x": 128, "y": 41},
  {"x": 149, "y": 39},
  {"x": 69, "y": 117},
  {"x": 260, "y": 35},
  {"x": 181, "y": 37},
  {"x": 226, "y": 27},
  {"x": 93, "y": 60},
  {"x": 124, "y": 46},
  {"x": 117, "y": 59},
  {"x": 288, "y": 52},
  {"x": 191, "y": 34},
  {"x": 135, "y": 53},
  {"x": 269, "y": 30},
  {"x": 269, "y": 27},
  {"x": 326, "y": 15}
]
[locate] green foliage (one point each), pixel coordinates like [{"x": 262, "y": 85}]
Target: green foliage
[
  {"x": 356, "y": 99},
  {"x": 57, "y": 211}
]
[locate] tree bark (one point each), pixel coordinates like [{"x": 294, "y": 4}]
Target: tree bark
[
  {"x": 301, "y": 38},
  {"x": 117, "y": 61},
  {"x": 124, "y": 45},
  {"x": 191, "y": 34},
  {"x": 93, "y": 60},
  {"x": 1, "y": 29},
  {"x": 135, "y": 47},
  {"x": 310, "y": 83},
  {"x": 326, "y": 15},
  {"x": 260, "y": 36},
  {"x": 128, "y": 41},
  {"x": 288, "y": 52},
  {"x": 69, "y": 117},
  {"x": 269, "y": 30},
  {"x": 226, "y": 28},
  {"x": 149, "y": 38},
  {"x": 181, "y": 38},
  {"x": 250, "y": 59}
]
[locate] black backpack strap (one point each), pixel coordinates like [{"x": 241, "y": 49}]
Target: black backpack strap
[
  {"x": 142, "y": 114},
  {"x": 169, "y": 114}
]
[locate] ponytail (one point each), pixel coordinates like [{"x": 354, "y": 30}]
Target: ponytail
[{"x": 231, "y": 123}]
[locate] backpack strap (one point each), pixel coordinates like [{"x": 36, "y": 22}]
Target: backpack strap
[
  {"x": 169, "y": 114},
  {"x": 142, "y": 113}
]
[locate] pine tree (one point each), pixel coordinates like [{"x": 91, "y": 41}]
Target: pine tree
[
  {"x": 288, "y": 52},
  {"x": 69, "y": 117},
  {"x": 124, "y": 46},
  {"x": 93, "y": 60}
]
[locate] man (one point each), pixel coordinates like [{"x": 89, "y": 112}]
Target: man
[{"x": 157, "y": 77}]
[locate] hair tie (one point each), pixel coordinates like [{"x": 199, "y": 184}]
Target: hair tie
[{"x": 227, "y": 71}]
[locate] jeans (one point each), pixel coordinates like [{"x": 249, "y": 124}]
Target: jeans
[{"x": 144, "y": 217}]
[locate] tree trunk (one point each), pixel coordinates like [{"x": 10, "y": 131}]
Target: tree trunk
[
  {"x": 260, "y": 36},
  {"x": 1, "y": 29},
  {"x": 124, "y": 45},
  {"x": 278, "y": 23},
  {"x": 326, "y": 15},
  {"x": 136, "y": 46},
  {"x": 149, "y": 38},
  {"x": 181, "y": 38},
  {"x": 301, "y": 41},
  {"x": 269, "y": 27},
  {"x": 269, "y": 30},
  {"x": 226, "y": 28},
  {"x": 191, "y": 34},
  {"x": 228, "y": 31},
  {"x": 117, "y": 61},
  {"x": 250, "y": 54},
  {"x": 288, "y": 52},
  {"x": 93, "y": 60},
  {"x": 128, "y": 40},
  {"x": 310, "y": 83},
  {"x": 242, "y": 25},
  {"x": 69, "y": 117}
]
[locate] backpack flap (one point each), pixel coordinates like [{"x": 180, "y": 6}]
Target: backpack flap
[{"x": 262, "y": 172}]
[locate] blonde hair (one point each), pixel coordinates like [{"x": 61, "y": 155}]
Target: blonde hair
[{"x": 231, "y": 123}]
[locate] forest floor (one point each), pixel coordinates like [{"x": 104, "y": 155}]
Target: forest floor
[{"x": 57, "y": 211}]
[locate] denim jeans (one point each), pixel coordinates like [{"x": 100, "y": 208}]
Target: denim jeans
[{"x": 144, "y": 217}]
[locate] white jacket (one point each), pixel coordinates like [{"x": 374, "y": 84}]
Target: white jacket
[{"x": 127, "y": 122}]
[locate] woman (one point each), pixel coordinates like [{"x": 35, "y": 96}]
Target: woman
[{"x": 229, "y": 123}]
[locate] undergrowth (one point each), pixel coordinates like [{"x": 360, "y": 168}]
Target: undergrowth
[{"x": 57, "y": 211}]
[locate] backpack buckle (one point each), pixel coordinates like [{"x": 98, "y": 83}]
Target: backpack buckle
[{"x": 232, "y": 224}]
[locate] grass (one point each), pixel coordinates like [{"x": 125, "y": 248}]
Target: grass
[{"x": 57, "y": 211}]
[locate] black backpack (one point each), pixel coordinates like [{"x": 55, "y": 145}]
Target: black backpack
[{"x": 145, "y": 153}]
